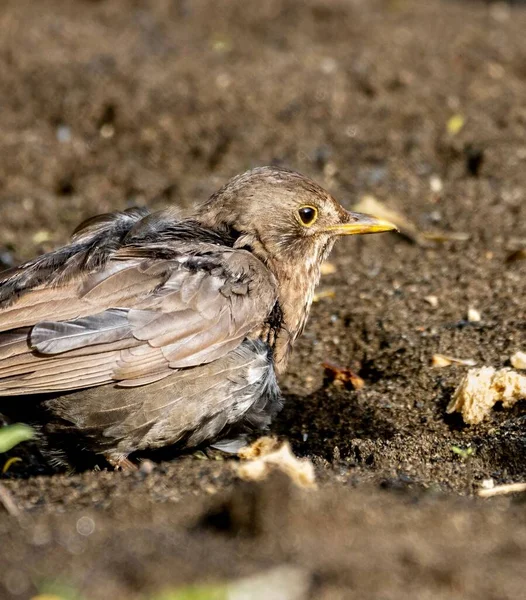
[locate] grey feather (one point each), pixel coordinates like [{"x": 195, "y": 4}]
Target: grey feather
[
  {"x": 188, "y": 406},
  {"x": 55, "y": 337}
]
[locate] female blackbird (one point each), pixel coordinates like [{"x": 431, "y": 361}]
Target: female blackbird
[{"x": 149, "y": 330}]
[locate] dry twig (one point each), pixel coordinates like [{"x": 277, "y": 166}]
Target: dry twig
[{"x": 500, "y": 490}]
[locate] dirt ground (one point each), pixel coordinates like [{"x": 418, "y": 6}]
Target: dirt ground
[{"x": 111, "y": 103}]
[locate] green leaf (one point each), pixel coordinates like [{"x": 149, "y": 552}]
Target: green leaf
[
  {"x": 54, "y": 589},
  {"x": 464, "y": 453},
  {"x": 12, "y": 435}
]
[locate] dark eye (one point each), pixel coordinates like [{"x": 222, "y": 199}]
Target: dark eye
[{"x": 308, "y": 215}]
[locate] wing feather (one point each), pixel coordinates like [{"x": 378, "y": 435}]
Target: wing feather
[{"x": 55, "y": 337}]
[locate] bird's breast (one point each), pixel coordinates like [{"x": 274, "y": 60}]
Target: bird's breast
[{"x": 290, "y": 314}]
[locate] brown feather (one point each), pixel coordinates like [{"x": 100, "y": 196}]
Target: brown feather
[{"x": 172, "y": 315}]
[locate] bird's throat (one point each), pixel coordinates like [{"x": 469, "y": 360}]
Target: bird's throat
[{"x": 297, "y": 281}]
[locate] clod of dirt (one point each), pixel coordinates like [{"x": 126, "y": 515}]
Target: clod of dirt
[
  {"x": 261, "y": 447},
  {"x": 442, "y": 360},
  {"x": 518, "y": 360},
  {"x": 516, "y": 255},
  {"x": 266, "y": 454},
  {"x": 342, "y": 375},
  {"x": 481, "y": 388}
]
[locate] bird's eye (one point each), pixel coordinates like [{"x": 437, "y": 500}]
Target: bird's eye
[{"x": 308, "y": 215}]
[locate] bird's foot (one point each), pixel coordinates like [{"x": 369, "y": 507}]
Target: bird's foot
[{"x": 121, "y": 462}]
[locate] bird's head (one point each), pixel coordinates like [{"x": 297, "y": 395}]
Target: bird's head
[
  {"x": 283, "y": 216},
  {"x": 290, "y": 223}
]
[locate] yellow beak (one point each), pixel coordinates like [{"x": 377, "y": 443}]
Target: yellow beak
[{"x": 359, "y": 223}]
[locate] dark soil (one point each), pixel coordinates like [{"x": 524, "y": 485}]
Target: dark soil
[{"x": 112, "y": 103}]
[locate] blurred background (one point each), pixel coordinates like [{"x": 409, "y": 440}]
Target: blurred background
[
  {"x": 107, "y": 104},
  {"x": 113, "y": 103}
]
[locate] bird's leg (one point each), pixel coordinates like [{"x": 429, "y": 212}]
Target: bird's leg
[{"x": 120, "y": 462}]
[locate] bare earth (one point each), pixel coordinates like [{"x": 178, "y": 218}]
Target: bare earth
[{"x": 113, "y": 103}]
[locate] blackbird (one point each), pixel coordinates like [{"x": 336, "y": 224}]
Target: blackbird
[{"x": 149, "y": 330}]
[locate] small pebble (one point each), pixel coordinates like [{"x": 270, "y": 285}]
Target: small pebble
[
  {"x": 432, "y": 300},
  {"x": 474, "y": 315},
  {"x": 328, "y": 65},
  {"x": 41, "y": 237},
  {"x": 147, "y": 466},
  {"x": 435, "y": 183},
  {"x": 63, "y": 134},
  {"x": 518, "y": 360},
  {"x": 107, "y": 131},
  {"x": 6, "y": 259}
]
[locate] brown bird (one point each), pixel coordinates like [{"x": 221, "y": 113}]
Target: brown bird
[{"x": 150, "y": 330}]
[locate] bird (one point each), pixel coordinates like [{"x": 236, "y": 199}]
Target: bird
[{"x": 157, "y": 329}]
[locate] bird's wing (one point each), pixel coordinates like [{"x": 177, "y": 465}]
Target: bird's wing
[{"x": 133, "y": 321}]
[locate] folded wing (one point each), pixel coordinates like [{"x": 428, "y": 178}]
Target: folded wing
[{"x": 132, "y": 322}]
